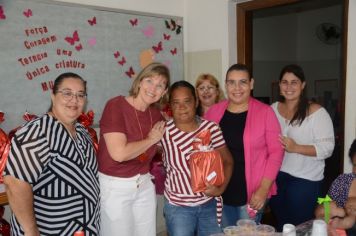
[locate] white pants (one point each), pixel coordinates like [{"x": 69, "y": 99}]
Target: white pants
[{"x": 128, "y": 206}]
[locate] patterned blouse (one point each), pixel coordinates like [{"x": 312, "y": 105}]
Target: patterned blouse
[
  {"x": 63, "y": 173},
  {"x": 339, "y": 189}
]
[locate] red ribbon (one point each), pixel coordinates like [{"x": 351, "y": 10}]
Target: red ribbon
[
  {"x": 4, "y": 151},
  {"x": 87, "y": 120}
]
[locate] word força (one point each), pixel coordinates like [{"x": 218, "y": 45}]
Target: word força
[{"x": 36, "y": 31}]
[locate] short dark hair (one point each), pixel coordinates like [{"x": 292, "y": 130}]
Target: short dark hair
[
  {"x": 352, "y": 150},
  {"x": 59, "y": 80},
  {"x": 182, "y": 84},
  {"x": 239, "y": 67}
]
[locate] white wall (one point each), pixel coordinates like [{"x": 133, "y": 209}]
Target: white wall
[{"x": 350, "y": 111}]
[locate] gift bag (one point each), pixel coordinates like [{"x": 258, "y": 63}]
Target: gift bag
[{"x": 206, "y": 165}]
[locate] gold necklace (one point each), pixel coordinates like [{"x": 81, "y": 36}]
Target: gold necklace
[{"x": 143, "y": 156}]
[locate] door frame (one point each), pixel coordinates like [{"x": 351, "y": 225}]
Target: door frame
[{"x": 244, "y": 49}]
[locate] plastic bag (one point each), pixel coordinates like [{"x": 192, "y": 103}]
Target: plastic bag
[{"x": 206, "y": 165}]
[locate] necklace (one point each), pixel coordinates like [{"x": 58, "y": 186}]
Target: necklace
[{"x": 143, "y": 156}]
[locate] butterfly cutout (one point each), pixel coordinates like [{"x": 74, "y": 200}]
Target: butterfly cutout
[
  {"x": 79, "y": 47},
  {"x": 116, "y": 54},
  {"x": 71, "y": 40},
  {"x": 123, "y": 61},
  {"x": 158, "y": 48},
  {"x": 28, "y": 13},
  {"x": 92, "y": 21},
  {"x": 174, "y": 51},
  {"x": 92, "y": 41},
  {"x": 2, "y": 15},
  {"x": 134, "y": 22},
  {"x": 170, "y": 24},
  {"x": 148, "y": 31},
  {"x": 166, "y": 37},
  {"x": 173, "y": 26},
  {"x": 130, "y": 73}
]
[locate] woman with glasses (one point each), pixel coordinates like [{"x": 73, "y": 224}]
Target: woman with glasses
[
  {"x": 130, "y": 127},
  {"x": 208, "y": 91},
  {"x": 308, "y": 139},
  {"x": 51, "y": 175},
  {"x": 251, "y": 130}
]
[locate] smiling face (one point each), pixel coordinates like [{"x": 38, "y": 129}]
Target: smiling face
[
  {"x": 151, "y": 89},
  {"x": 207, "y": 93},
  {"x": 291, "y": 87},
  {"x": 69, "y": 100},
  {"x": 238, "y": 87},
  {"x": 183, "y": 105}
]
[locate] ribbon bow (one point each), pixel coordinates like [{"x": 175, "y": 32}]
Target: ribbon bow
[{"x": 326, "y": 201}]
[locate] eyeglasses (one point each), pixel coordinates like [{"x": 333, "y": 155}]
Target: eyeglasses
[
  {"x": 68, "y": 95},
  {"x": 234, "y": 83},
  {"x": 208, "y": 88}
]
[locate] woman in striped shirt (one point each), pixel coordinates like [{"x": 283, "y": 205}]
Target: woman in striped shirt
[
  {"x": 51, "y": 174},
  {"x": 188, "y": 213}
]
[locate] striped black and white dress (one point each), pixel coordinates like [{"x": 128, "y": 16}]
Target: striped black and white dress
[{"x": 63, "y": 173}]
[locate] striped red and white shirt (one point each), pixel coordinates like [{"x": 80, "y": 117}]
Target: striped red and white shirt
[{"x": 177, "y": 148}]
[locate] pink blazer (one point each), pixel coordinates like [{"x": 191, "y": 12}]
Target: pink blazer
[{"x": 263, "y": 151}]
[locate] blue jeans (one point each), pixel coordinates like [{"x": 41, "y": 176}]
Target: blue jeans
[
  {"x": 189, "y": 221},
  {"x": 231, "y": 214},
  {"x": 295, "y": 201}
]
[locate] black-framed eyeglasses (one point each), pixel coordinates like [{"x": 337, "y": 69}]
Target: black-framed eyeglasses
[{"x": 68, "y": 95}]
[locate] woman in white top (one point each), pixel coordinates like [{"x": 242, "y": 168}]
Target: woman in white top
[{"x": 308, "y": 139}]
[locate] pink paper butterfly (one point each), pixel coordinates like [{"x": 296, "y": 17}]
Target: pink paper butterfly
[
  {"x": 28, "y": 13},
  {"x": 130, "y": 73},
  {"x": 134, "y": 22},
  {"x": 158, "y": 48},
  {"x": 72, "y": 40},
  {"x": 122, "y": 62},
  {"x": 92, "y": 41},
  {"x": 174, "y": 51},
  {"x": 148, "y": 31},
  {"x": 92, "y": 21},
  {"x": 2, "y": 15},
  {"x": 79, "y": 47},
  {"x": 116, "y": 54},
  {"x": 166, "y": 37}
]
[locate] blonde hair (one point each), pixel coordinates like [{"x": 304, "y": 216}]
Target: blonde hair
[
  {"x": 152, "y": 69},
  {"x": 209, "y": 77}
]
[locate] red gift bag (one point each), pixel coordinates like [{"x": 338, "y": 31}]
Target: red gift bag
[{"x": 206, "y": 165}]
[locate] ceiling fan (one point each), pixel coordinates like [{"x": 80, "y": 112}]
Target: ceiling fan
[{"x": 328, "y": 33}]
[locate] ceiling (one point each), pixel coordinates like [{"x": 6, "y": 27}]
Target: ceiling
[{"x": 295, "y": 8}]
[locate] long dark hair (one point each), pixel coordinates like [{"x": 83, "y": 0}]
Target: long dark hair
[{"x": 303, "y": 103}]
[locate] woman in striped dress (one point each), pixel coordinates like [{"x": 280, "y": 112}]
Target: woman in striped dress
[
  {"x": 51, "y": 175},
  {"x": 188, "y": 213}
]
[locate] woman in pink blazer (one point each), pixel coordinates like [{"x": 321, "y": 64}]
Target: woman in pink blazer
[{"x": 251, "y": 130}]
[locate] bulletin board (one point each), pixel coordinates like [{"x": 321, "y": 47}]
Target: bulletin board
[{"x": 40, "y": 40}]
